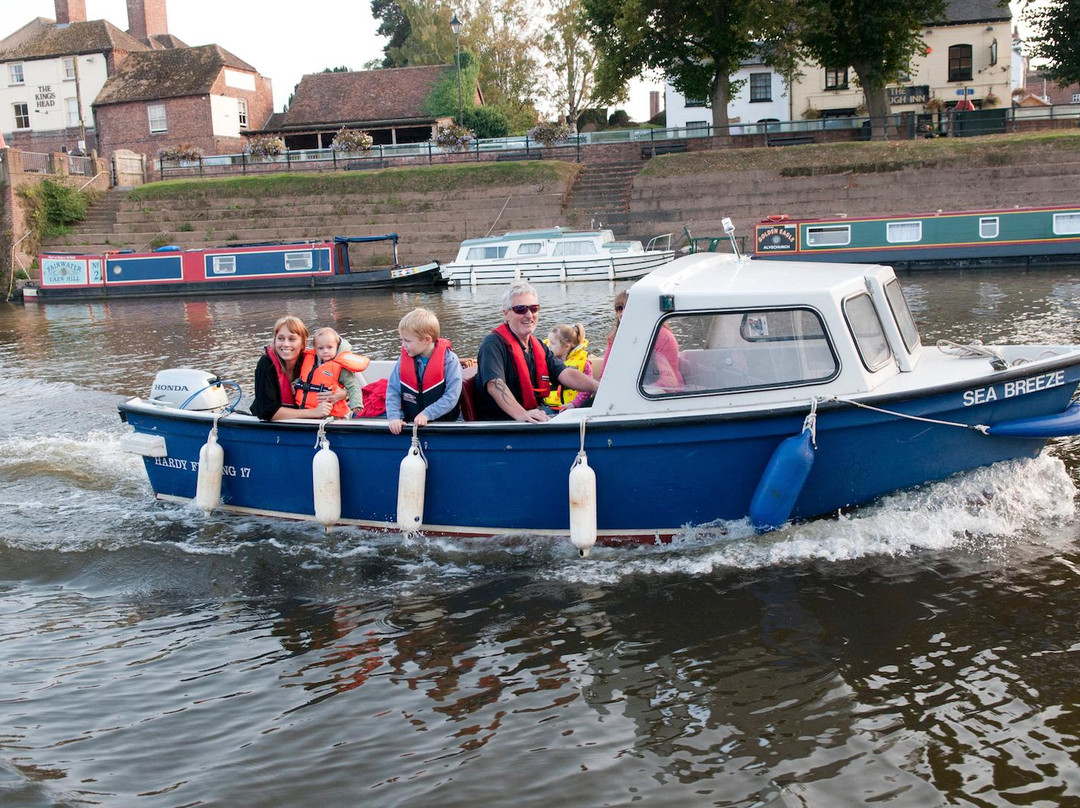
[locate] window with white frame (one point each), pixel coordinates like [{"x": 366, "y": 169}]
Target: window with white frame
[
  {"x": 574, "y": 248},
  {"x": 828, "y": 236},
  {"x": 156, "y": 115},
  {"x": 760, "y": 87},
  {"x": 69, "y": 68},
  {"x": 1066, "y": 224},
  {"x": 485, "y": 253},
  {"x": 71, "y": 110},
  {"x": 988, "y": 227},
  {"x": 224, "y": 264},
  {"x": 1076, "y": 98},
  {"x": 22, "y": 116},
  {"x": 242, "y": 113},
  {"x": 15, "y": 74},
  {"x": 298, "y": 260},
  {"x": 903, "y": 232},
  {"x": 530, "y": 248}
]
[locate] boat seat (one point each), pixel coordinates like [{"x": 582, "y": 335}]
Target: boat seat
[{"x": 468, "y": 394}]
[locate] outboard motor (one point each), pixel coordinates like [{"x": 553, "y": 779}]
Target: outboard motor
[{"x": 189, "y": 389}]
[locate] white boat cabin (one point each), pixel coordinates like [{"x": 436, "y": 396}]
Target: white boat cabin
[
  {"x": 712, "y": 331},
  {"x": 532, "y": 245}
]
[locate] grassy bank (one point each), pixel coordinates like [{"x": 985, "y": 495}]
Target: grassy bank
[
  {"x": 419, "y": 179},
  {"x": 872, "y": 157}
]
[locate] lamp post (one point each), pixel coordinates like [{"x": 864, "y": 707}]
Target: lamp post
[{"x": 455, "y": 26}]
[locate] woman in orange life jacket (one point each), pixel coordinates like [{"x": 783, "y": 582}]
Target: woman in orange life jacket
[
  {"x": 330, "y": 368},
  {"x": 515, "y": 370},
  {"x": 277, "y": 369}
]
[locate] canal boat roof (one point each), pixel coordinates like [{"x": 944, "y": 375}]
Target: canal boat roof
[{"x": 777, "y": 219}]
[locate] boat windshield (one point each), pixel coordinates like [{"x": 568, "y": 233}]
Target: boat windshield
[
  {"x": 902, "y": 314},
  {"x": 727, "y": 352}
]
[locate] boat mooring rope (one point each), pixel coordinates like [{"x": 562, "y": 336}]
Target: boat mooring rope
[{"x": 983, "y": 428}]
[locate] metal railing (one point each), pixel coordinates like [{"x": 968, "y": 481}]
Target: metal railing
[
  {"x": 904, "y": 125},
  {"x": 36, "y": 162},
  {"x": 80, "y": 166}
]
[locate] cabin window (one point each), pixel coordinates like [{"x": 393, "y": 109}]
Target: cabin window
[
  {"x": 298, "y": 260},
  {"x": 831, "y": 236},
  {"x": 909, "y": 332},
  {"x": 960, "y": 63},
  {"x": 730, "y": 352},
  {"x": 485, "y": 253},
  {"x": 574, "y": 248},
  {"x": 530, "y": 248},
  {"x": 224, "y": 264},
  {"x": 866, "y": 328},
  {"x": 988, "y": 227},
  {"x": 903, "y": 232},
  {"x": 1066, "y": 224}
]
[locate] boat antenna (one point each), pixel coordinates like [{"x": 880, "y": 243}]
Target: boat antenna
[{"x": 729, "y": 228}]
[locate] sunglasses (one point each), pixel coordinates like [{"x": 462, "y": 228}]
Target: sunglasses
[
  {"x": 521, "y": 309},
  {"x": 619, "y": 308}
]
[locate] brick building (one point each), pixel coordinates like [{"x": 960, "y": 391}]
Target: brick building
[
  {"x": 203, "y": 96},
  {"x": 77, "y": 81},
  {"x": 1048, "y": 92},
  {"x": 387, "y": 104}
]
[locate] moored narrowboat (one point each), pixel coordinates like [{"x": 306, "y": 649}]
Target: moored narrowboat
[
  {"x": 233, "y": 269},
  {"x": 996, "y": 237}
]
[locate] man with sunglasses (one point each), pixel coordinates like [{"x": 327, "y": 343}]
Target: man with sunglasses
[{"x": 515, "y": 371}]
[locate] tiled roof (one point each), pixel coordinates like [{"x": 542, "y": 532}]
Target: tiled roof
[
  {"x": 176, "y": 73},
  {"x": 395, "y": 94},
  {"x": 43, "y": 39},
  {"x": 964, "y": 11}
]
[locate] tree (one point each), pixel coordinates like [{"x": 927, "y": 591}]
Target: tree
[
  {"x": 393, "y": 23},
  {"x": 876, "y": 38},
  {"x": 442, "y": 100},
  {"x": 697, "y": 44},
  {"x": 1056, "y": 38},
  {"x": 571, "y": 58}
]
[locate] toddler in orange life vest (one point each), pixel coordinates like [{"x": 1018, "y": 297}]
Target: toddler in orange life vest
[
  {"x": 425, "y": 384},
  {"x": 330, "y": 368}
]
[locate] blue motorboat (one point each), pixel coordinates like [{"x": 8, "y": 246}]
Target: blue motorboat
[{"x": 796, "y": 389}]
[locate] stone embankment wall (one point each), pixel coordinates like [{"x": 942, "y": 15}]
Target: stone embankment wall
[
  {"x": 430, "y": 225},
  {"x": 700, "y": 200}
]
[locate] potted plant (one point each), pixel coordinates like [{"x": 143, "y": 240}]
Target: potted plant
[
  {"x": 181, "y": 153},
  {"x": 934, "y": 104},
  {"x": 991, "y": 100},
  {"x": 351, "y": 141},
  {"x": 811, "y": 113},
  {"x": 548, "y": 134},
  {"x": 264, "y": 147},
  {"x": 453, "y": 137}
]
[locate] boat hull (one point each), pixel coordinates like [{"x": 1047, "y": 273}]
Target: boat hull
[
  {"x": 618, "y": 268},
  {"x": 654, "y": 476}
]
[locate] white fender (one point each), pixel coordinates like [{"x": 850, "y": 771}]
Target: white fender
[
  {"x": 208, "y": 483},
  {"x": 412, "y": 479},
  {"x": 326, "y": 485},
  {"x": 582, "y": 505}
]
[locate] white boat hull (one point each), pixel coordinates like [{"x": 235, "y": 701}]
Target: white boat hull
[{"x": 558, "y": 270}]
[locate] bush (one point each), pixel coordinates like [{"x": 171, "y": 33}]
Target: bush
[
  {"x": 597, "y": 118},
  {"x": 264, "y": 146},
  {"x": 811, "y": 113},
  {"x": 51, "y": 207},
  {"x": 182, "y": 151},
  {"x": 453, "y": 137},
  {"x": 486, "y": 122},
  {"x": 349, "y": 141},
  {"x": 548, "y": 134},
  {"x": 619, "y": 118}
]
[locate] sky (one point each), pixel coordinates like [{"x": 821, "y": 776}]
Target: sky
[{"x": 282, "y": 45}]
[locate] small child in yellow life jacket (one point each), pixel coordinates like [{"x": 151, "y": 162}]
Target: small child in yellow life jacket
[
  {"x": 328, "y": 368},
  {"x": 568, "y": 343}
]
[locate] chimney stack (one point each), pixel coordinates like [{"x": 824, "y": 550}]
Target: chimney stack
[
  {"x": 654, "y": 103},
  {"x": 146, "y": 18},
  {"x": 68, "y": 11}
]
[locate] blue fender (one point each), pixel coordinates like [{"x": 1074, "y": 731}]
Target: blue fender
[
  {"x": 782, "y": 482},
  {"x": 1057, "y": 425}
]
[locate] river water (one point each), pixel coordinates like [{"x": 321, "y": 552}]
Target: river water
[{"x": 921, "y": 651}]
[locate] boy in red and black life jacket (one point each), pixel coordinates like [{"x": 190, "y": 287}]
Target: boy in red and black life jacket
[
  {"x": 425, "y": 384},
  {"x": 330, "y": 368}
]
